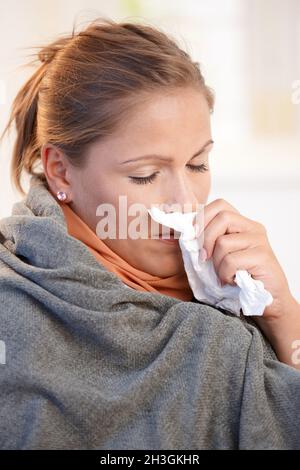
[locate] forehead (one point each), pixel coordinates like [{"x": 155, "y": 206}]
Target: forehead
[
  {"x": 161, "y": 123},
  {"x": 187, "y": 107}
]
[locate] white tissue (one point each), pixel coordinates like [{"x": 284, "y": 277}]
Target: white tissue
[{"x": 249, "y": 294}]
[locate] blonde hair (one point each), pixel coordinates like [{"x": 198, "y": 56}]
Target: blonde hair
[{"x": 87, "y": 85}]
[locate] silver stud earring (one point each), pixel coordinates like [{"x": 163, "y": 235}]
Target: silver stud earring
[{"x": 61, "y": 195}]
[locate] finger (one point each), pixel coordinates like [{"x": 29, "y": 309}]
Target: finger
[
  {"x": 206, "y": 213},
  {"x": 229, "y": 243},
  {"x": 214, "y": 207},
  {"x": 251, "y": 259},
  {"x": 227, "y": 222}
]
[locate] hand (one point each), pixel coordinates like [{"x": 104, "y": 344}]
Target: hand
[{"x": 236, "y": 242}]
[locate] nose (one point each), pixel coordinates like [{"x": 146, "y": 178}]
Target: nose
[{"x": 181, "y": 196}]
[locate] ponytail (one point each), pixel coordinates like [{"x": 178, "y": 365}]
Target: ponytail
[
  {"x": 26, "y": 149},
  {"x": 23, "y": 113}
]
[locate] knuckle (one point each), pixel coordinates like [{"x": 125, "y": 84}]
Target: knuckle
[
  {"x": 221, "y": 201},
  {"x": 228, "y": 260},
  {"x": 221, "y": 242},
  {"x": 224, "y": 216},
  {"x": 263, "y": 255},
  {"x": 261, "y": 227}
]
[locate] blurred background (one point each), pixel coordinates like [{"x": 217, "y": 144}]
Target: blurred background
[{"x": 249, "y": 52}]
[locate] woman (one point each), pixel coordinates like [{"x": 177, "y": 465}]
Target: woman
[{"x": 105, "y": 345}]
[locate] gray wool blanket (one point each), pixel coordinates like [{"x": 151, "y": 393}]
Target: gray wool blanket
[{"x": 88, "y": 363}]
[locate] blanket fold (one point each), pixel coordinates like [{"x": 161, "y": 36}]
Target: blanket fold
[{"x": 89, "y": 363}]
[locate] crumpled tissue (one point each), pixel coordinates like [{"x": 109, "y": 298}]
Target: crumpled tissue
[{"x": 249, "y": 294}]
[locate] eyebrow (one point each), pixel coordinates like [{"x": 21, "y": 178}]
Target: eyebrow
[{"x": 166, "y": 159}]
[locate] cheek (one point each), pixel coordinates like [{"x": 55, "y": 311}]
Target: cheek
[
  {"x": 202, "y": 188},
  {"x": 100, "y": 191},
  {"x": 207, "y": 182}
]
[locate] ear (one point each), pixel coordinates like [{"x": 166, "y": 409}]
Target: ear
[{"x": 56, "y": 169}]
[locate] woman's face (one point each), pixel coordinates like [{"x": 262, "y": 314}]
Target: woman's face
[{"x": 174, "y": 127}]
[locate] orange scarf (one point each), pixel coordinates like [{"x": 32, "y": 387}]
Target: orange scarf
[{"x": 174, "y": 286}]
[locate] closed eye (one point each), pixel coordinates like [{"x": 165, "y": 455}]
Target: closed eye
[{"x": 149, "y": 179}]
